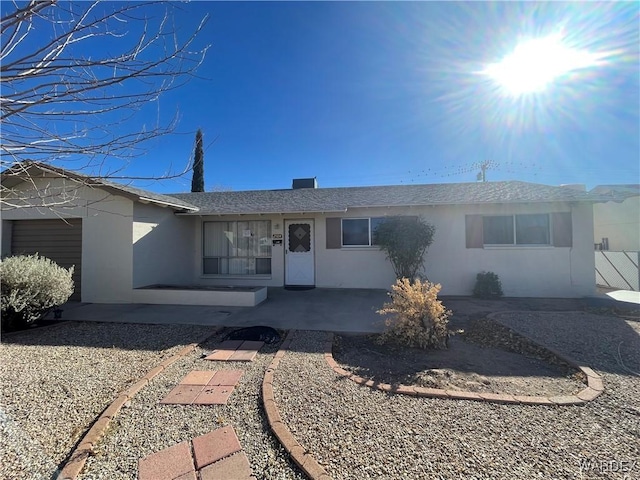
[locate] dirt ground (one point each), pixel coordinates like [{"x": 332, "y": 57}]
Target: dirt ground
[{"x": 483, "y": 356}]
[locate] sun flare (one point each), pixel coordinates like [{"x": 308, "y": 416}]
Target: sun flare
[{"x": 536, "y": 63}]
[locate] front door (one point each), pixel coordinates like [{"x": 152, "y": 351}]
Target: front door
[{"x": 299, "y": 260}]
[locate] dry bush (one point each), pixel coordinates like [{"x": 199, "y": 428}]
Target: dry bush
[{"x": 419, "y": 318}]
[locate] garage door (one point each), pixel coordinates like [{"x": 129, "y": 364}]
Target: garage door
[{"x": 59, "y": 240}]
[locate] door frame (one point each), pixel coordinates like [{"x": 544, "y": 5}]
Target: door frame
[{"x": 311, "y": 222}]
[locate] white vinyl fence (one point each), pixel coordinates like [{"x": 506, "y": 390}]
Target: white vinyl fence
[{"x": 618, "y": 270}]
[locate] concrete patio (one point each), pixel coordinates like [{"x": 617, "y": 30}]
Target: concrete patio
[
  {"x": 339, "y": 310},
  {"x": 336, "y": 310}
]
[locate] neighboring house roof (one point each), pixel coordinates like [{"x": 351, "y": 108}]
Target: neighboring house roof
[
  {"x": 25, "y": 171},
  {"x": 307, "y": 200},
  {"x": 617, "y": 193}
]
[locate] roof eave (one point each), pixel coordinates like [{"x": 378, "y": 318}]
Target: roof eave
[
  {"x": 468, "y": 202},
  {"x": 167, "y": 204},
  {"x": 13, "y": 178},
  {"x": 220, "y": 214},
  {"x": 408, "y": 205}
]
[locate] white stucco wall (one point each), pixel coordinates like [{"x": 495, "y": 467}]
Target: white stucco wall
[
  {"x": 544, "y": 271},
  {"x": 163, "y": 250},
  {"x": 106, "y": 235},
  {"x": 351, "y": 267},
  {"x": 524, "y": 271},
  {"x": 619, "y": 222}
]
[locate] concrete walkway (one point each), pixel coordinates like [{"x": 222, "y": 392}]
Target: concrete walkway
[
  {"x": 337, "y": 310},
  {"x": 625, "y": 296},
  {"x": 325, "y": 309}
]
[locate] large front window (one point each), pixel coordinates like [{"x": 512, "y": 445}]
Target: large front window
[
  {"x": 237, "y": 248},
  {"x": 517, "y": 230}
]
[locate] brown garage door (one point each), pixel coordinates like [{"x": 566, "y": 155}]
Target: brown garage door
[{"x": 59, "y": 240}]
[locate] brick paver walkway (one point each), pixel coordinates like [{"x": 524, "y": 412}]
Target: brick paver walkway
[
  {"x": 236, "y": 351},
  {"x": 215, "y": 455},
  {"x": 204, "y": 388}
]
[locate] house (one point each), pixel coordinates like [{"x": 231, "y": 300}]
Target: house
[
  {"x": 617, "y": 235},
  {"x": 537, "y": 238},
  {"x": 97, "y": 226},
  {"x": 617, "y": 223}
]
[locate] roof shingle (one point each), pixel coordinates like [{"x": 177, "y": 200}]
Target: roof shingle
[{"x": 309, "y": 200}]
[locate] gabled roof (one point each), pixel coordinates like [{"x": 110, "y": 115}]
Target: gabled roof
[
  {"x": 308, "y": 200},
  {"x": 318, "y": 200},
  {"x": 25, "y": 171}
]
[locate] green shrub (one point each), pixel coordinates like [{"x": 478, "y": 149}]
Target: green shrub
[
  {"x": 488, "y": 285},
  {"x": 419, "y": 318},
  {"x": 31, "y": 286},
  {"x": 405, "y": 240}
]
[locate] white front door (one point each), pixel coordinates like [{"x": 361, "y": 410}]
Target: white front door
[{"x": 299, "y": 262}]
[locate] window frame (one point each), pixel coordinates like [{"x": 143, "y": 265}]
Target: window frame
[
  {"x": 514, "y": 229},
  {"x": 359, "y": 245},
  {"x": 369, "y": 229},
  {"x": 230, "y": 257}
]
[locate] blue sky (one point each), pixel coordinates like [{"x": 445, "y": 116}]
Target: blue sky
[{"x": 389, "y": 93}]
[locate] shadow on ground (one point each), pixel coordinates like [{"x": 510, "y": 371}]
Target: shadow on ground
[{"x": 157, "y": 327}]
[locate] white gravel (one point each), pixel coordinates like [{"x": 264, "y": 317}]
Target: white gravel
[
  {"x": 55, "y": 381},
  {"x": 357, "y": 432},
  {"x": 146, "y": 426}
]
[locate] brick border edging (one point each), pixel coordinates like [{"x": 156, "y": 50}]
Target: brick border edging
[
  {"x": 307, "y": 463},
  {"x": 594, "y": 388},
  {"x": 84, "y": 448}
]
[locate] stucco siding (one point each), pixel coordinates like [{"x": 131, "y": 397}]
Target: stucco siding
[
  {"x": 620, "y": 223},
  {"x": 525, "y": 271},
  {"x": 106, "y": 253},
  {"x": 583, "y": 264},
  {"x": 351, "y": 267},
  {"x": 163, "y": 250},
  {"x": 106, "y": 235}
]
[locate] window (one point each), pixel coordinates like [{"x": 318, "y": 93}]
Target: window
[
  {"x": 359, "y": 232},
  {"x": 374, "y": 224},
  {"x": 532, "y": 230},
  {"x": 237, "y": 248},
  {"x": 516, "y": 230},
  {"x": 355, "y": 232},
  {"x": 498, "y": 230}
]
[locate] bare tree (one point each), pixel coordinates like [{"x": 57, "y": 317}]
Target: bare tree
[{"x": 75, "y": 77}]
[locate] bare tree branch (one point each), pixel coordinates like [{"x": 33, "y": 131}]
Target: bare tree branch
[{"x": 74, "y": 76}]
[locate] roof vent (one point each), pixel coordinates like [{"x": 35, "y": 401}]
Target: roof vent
[{"x": 304, "y": 183}]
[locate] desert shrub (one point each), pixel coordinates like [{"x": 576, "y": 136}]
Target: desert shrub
[
  {"x": 418, "y": 319},
  {"x": 488, "y": 285},
  {"x": 405, "y": 240},
  {"x": 31, "y": 286}
]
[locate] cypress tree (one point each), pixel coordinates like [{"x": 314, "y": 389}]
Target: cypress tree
[{"x": 197, "y": 181}]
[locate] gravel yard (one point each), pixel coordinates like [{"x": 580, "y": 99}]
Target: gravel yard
[
  {"x": 55, "y": 381},
  {"x": 357, "y": 432}
]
